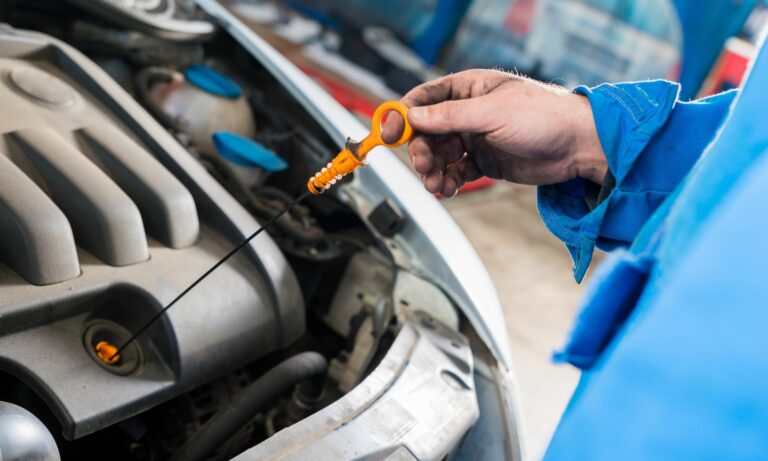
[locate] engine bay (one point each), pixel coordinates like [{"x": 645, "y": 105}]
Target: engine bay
[{"x": 133, "y": 155}]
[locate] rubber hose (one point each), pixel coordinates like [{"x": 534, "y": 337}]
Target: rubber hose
[
  {"x": 144, "y": 78},
  {"x": 248, "y": 403}
]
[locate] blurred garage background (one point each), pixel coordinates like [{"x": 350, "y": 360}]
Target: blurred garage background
[{"x": 366, "y": 51}]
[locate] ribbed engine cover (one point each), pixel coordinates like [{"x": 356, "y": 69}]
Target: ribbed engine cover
[{"x": 104, "y": 218}]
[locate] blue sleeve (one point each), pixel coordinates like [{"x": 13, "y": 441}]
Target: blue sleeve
[{"x": 651, "y": 140}]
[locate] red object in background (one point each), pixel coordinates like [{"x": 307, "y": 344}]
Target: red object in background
[
  {"x": 730, "y": 67},
  {"x": 351, "y": 100},
  {"x": 477, "y": 184},
  {"x": 520, "y": 17},
  {"x": 356, "y": 102}
]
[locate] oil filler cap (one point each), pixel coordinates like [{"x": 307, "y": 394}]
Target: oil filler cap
[{"x": 101, "y": 340}]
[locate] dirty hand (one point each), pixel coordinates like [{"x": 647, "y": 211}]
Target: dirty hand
[{"x": 491, "y": 123}]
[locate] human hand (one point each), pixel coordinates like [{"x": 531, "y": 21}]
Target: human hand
[{"x": 500, "y": 125}]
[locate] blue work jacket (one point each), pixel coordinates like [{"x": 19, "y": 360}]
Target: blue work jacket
[{"x": 672, "y": 336}]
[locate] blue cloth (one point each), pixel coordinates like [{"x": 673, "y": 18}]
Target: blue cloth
[
  {"x": 651, "y": 140},
  {"x": 680, "y": 370}
]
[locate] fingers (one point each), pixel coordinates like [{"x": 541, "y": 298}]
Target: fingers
[
  {"x": 474, "y": 115},
  {"x": 463, "y": 85},
  {"x": 434, "y": 180},
  {"x": 421, "y": 152},
  {"x": 440, "y": 110},
  {"x": 454, "y": 180},
  {"x": 424, "y": 94},
  {"x": 434, "y": 91},
  {"x": 431, "y": 156},
  {"x": 424, "y": 150},
  {"x": 457, "y": 174},
  {"x": 392, "y": 128},
  {"x": 450, "y": 148},
  {"x": 442, "y": 164}
]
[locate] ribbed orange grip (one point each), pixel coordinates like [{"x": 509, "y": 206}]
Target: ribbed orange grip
[
  {"x": 344, "y": 163},
  {"x": 347, "y": 160}
]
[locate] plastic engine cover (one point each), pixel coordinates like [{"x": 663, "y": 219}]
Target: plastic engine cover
[{"x": 104, "y": 218}]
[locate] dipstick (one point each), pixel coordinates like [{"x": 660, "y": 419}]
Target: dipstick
[
  {"x": 354, "y": 153},
  {"x": 116, "y": 354},
  {"x": 350, "y": 158}
]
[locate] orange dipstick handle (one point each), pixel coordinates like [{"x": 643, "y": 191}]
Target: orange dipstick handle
[
  {"x": 353, "y": 155},
  {"x": 106, "y": 352}
]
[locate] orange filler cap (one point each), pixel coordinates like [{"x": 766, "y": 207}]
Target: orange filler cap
[{"x": 353, "y": 155}]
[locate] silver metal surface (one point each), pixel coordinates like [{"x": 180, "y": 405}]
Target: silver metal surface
[
  {"x": 415, "y": 293},
  {"x": 23, "y": 437},
  {"x": 489, "y": 437},
  {"x": 150, "y": 16},
  {"x": 419, "y": 401},
  {"x": 258, "y": 301},
  {"x": 367, "y": 276},
  {"x": 349, "y": 371}
]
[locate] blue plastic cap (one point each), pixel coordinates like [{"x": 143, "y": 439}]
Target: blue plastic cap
[
  {"x": 243, "y": 151},
  {"x": 212, "y": 81}
]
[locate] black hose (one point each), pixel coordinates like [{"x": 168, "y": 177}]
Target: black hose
[{"x": 247, "y": 403}]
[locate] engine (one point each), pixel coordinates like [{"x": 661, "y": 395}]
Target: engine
[{"x": 137, "y": 147}]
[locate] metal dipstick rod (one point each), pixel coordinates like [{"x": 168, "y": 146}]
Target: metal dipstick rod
[{"x": 113, "y": 358}]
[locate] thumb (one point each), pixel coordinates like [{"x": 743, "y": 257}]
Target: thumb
[{"x": 464, "y": 115}]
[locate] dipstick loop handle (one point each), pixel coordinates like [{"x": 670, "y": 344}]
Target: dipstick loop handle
[{"x": 353, "y": 155}]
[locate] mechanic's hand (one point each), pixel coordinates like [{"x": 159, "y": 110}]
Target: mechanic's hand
[{"x": 491, "y": 123}]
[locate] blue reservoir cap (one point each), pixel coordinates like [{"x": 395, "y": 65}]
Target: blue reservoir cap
[
  {"x": 212, "y": 81},
  {"x": 243, "y": 151}
]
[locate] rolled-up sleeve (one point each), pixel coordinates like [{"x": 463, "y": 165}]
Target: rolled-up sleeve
[{"x": 651, "y": 141}]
